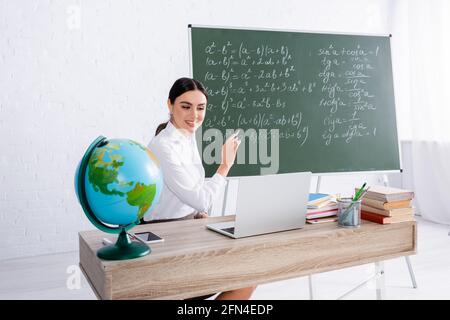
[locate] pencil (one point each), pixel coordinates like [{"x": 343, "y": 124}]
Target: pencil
[
  {"x": 356, "y": 197},
  {"x": 363, "y": 194}
]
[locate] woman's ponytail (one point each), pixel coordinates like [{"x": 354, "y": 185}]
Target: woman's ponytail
[{"x": 161, "y": 127}]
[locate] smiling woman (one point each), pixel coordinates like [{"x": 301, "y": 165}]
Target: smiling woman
[
  {"x": 186, "y": 194},
  {"x": 185, "y": 190}
]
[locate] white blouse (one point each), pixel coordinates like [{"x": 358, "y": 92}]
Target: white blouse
[{"x": 185, "y": 190}]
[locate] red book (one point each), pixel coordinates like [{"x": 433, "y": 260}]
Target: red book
[{"x": 385, "y": 220}]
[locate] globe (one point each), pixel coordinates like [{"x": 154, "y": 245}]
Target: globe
[{"x": 117, "y": 183}]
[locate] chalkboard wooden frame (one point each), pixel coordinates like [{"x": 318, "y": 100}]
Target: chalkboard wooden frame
[{"x": 190, "y": 26}]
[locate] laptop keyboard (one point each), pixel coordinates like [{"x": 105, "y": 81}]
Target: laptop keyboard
[{"x": 229, "y": 230}]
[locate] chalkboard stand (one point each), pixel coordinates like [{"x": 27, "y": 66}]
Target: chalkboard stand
[
  {"x": 319, "y": 180},
  {"x": 225, "y": 196},
  {"x": 310, "y": 283}
]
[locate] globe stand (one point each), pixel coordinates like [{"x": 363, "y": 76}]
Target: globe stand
[{"x": 123, "y": 249}]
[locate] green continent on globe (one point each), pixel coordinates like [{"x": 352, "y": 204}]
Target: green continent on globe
[
  {"x": 102, "y": 173},
  {"x": 142, "y": 196}
]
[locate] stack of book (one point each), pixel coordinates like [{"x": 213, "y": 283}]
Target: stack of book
[
  {"x": 387, "y": 205},
  {"x": 321, "y": 208}
]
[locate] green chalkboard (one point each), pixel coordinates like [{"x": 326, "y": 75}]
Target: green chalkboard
[{"x": 303, "y": 101}]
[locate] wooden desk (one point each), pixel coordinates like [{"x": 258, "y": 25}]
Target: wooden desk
[{"x": 194, "y": 261}]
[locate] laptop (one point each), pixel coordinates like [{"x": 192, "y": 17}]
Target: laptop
[{"x": 267, "y": 204}]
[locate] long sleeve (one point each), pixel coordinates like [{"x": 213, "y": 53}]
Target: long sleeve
[{"x": 191, "y": 190}]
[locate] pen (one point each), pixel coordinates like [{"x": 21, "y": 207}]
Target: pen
[
  {"x": 363, "y": 194},
  {"x": 356, "y": 197}
]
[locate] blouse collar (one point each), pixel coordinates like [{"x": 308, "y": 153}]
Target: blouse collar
[{"x": 176, "y": 134}]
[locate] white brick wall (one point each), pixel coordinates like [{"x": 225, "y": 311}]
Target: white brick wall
[{"x": 72, "y": 70}]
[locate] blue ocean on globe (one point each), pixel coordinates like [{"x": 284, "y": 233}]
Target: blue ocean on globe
[{"x": 123, "y": 182}]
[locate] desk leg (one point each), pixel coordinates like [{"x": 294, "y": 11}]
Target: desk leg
[
  {"x": 411, "y": 272},
  {"x": 380, "y": 280},
  {"x": 311, "y": 291}
]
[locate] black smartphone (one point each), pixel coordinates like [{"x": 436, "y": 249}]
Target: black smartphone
[{"x": 148, "y": 237}]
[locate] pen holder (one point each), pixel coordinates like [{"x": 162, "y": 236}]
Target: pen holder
[{"x": 349, "y": 213}]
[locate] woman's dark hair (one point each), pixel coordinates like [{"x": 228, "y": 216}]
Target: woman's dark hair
[{"x": 179, "y": 87}]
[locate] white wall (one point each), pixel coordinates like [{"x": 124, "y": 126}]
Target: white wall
[{"x": 73, "y": 70}]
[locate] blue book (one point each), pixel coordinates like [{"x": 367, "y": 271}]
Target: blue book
[{"x": 317, "y": 197}]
